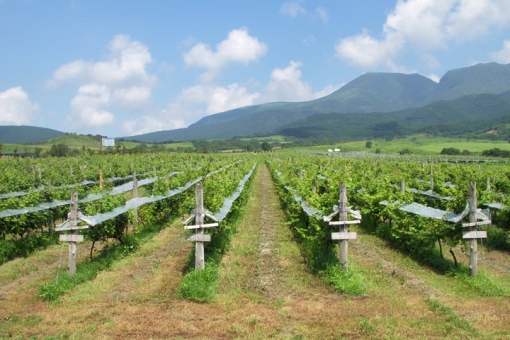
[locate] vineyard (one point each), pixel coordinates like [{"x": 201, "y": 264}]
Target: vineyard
[{"x": 295, "y": 245}]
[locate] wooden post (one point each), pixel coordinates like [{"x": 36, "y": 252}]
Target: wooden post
[
  {"x": 50, "y": 185},
  {"x": 100, "y": 179},
  {"x": 199, "y": 220},
  {"x": 73, "y": 219},
  {"x": 431, "y": 178},
  {"x": 155, "y": 172},
  {"x": 40, "y": 170},
  {"x": 488, "y": 184},
  {"x": 71, "y": 170},
  {"x": 135, "y": 195},
  {"x": 314, "y": 187},
  {"x": 199, "y": 237},
  {"x": 402, "y": 186},
  {"x": 473, "y": 253},
  {"x": 344, "y": 244},
  {"x": 50, "y": 221}
]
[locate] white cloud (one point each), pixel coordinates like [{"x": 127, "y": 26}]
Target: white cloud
[
  {"x": 503, "y": 55},
  {"x": 286, "y": 85},
  {"x": 425, "y": 25},
  {"x": 88, "y": 107},
  {"x": 434, "y": 77},
  {"x": 292, "y": 8},
  {"x": 126, "y": 65},
  {"x": 295, "y": 8},
  {"x": 363, "y": 50},
  {"x": 239, "y": 47},
  {"x": 119, "y": 82},
  {"x": 15, "y": 107},
  {"x": 148, "y": 124}
]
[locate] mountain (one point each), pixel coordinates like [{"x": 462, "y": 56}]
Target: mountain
[
  {"x": 371, "y": 92},
  {"x": 26, "y": 134},
  {"x": 480, "y": 78},
  {"x": 468, "y": 114}
]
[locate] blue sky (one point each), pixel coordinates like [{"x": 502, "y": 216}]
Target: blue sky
[{"x": 120, "y": 68}]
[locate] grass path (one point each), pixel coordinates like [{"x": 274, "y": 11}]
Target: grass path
[{"x": 265, "y": 291}]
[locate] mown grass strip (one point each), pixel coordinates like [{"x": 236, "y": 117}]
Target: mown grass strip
[
  {"x": 88, "y": 270},
  {"x": 453, "y": 319},
  {"x": 201, "y": 286}
]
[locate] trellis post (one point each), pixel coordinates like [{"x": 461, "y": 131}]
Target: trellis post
[
  {"x": 473, "y": 234},
  {"x": 431, "y": 178},
  {"x": 343, "y": 236},
  {"x": 135, "y": 195},
  {"x": 73, "y": 238},
  {"x": 100, "y": 179},
  {"x": 402, "y": 186},
  {"x": 199, "y": 237}
]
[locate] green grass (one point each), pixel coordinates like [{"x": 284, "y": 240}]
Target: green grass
[
  {"x": 350, "y": 283},
  {"x": 200, "y": 285},
  {"x": 419, "y": 144}
]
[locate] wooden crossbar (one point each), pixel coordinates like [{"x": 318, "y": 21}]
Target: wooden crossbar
[
  {"x": 210, "y": 225},
  {"x": 344, "y": 222}
]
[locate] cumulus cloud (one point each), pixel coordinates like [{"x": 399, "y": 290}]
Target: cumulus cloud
[
  {"x": 424, "y": 25},
  {"x": 15, "y": 107},
  {"x": 286, "y": 85},
  {"x": 88, "y": 107},
  {"x": 126, "y": 65},
  {"x": 239, "y": 47},
  {"x": 503, "y": 55},
  {"x": 296, "y": 8},
  {"x": 119, "y": 82}
]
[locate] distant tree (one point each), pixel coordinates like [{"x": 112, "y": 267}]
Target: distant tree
[
  {"x": 37, "y": 152},
  {"x": 450, "y": 151},
  {"x": 496, "y": 152},
  {"x": 405, "y": 152},
  {"x": 368, "y": 144},
  {"x": 377, "y": 150},
  {"x": 465, "y": 153},
  {"x": 266, "y": 146},
  {"x": 58, "y": 150}
]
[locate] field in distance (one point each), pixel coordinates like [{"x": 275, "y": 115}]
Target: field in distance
[{"x": 419, "y": 144}]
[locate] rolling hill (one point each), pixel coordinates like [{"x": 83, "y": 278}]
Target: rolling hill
[{"x": 26, "y": 134}]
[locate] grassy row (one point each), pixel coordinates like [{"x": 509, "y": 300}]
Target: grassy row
[
  {"x": 88, "y": 270},
  {"x": 201, "y": 285},
  {"x": 317, "y": 247}
]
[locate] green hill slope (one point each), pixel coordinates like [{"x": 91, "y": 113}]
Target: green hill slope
[
  {"x": 371, "y": 92},
  {"x": 468, "y": 114},
  {"x": 26, "y": 134}
]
